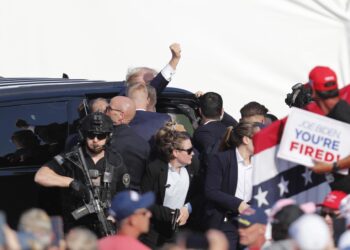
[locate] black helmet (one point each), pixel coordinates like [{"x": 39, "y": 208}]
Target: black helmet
[{"x": 97, "y": 123}]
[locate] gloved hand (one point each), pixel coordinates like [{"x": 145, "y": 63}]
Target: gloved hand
[
  {"x": 21, "y": 124},
  {"x": 80, "y": 190}
]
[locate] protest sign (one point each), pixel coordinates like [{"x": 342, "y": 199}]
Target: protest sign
[{"x": 308, "y": 136}]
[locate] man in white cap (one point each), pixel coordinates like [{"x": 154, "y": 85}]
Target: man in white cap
[
  {"x": 310, "y": 232},
  {"x": 131, "y": 212}
]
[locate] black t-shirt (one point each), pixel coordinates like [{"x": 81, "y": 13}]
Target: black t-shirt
[
  {"x": 70, "y": 202},
  {"x": 341, "y": 112}
]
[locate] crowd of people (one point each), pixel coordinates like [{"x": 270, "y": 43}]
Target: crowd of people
[{"x": 132, "y": 178}]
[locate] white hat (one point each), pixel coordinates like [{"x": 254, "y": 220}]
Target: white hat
[
  {"x": 344, "y": 241},
  {"x": 310, "y": 232}
]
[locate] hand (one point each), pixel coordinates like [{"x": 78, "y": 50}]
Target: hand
[
  {"x": 175, "y": 49},
  {"x": 111, "y": 219},
  {"x": 22, "y": 124},
  {"x": 199, "y": 93},
  {"x": 321, "y": 167},
  {"x": 184, "y": 214},
  {"x": 180, "y": 127},
  {"x": 242, "y": 207},
  {"x": 80, "y": 190},
  {"x": 175, "y": 55}
]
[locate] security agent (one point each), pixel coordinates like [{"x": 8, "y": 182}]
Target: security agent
[{"x": 106, "y": 169}]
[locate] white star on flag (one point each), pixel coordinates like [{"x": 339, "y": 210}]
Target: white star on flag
[
  {"x": 261, "y": 197},
  {"x": 283, "y": 186},
  {"x": 307, "y": 176}
]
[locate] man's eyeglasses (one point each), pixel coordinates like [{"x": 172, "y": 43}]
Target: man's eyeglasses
[
  {"x": 92, "y": 135},
  {"x": 189, "y": 150},
  {"x": 109, "y": 108}
]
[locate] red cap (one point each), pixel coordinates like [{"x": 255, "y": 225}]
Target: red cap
[
  {"x": 333, "y": 199},
  {"x": 323, "y": 79}
]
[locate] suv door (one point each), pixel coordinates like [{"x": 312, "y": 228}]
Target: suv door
[{"x": 24, "y": 150}]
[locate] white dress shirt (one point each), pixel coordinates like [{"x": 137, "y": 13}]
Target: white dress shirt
[
  {"x": 167, "y": 72},
  {"x": 245, "y": 179},
  {"x": 176, "y": 188}
]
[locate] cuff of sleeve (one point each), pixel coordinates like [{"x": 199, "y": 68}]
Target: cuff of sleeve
[
  {"x": 189, "y": 207},
  {"x": 168, "y": 72},
  {"x": 31, "y": 128}
]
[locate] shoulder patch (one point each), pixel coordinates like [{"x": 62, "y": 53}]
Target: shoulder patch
[{"x": 126, "y": 179}]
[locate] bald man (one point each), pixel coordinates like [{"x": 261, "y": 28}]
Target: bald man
[
  {"x": 121, "y": 109},
  {"x": 134, "y": 149}
]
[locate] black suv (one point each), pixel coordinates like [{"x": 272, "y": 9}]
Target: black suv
[{"x": 54, "y": 104}]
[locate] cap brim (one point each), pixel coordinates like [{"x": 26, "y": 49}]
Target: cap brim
[
  {"x": 244, "y": 224},
  {"x": 146, "y": 200}
]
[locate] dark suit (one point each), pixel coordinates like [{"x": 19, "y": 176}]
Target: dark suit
[
  {"x": 220, "y": 189},
  {"x": 228, "y": 120},
  {"x": 146, "y": 124},
  {"x": 155, "y": 179},
  {"x": 134, "y": 150},
  {"x": 206, "y": 136}
]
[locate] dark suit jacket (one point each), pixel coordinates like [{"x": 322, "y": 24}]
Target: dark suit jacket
[
  {"x": 155, "y": 179},
  {"x": 134, "y": 150},
  {"x": 146, "y": 124},
  {"x": 205, "y": 136},
  {"x": 228, "y": 120},
  {"x": 158, "y": 82},
  {"x": 220, "y": 187}
]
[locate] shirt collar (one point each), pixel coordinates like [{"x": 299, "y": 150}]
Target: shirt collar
[
  {"x": 171, "y": 168},
  {"x": 239, "y": 157},
  {"x": 209, "y": 121}
]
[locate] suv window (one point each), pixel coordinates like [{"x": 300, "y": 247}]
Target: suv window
[{"x": 38, "y": 143}]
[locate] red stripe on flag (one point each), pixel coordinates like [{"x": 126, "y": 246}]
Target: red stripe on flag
[{"x": 269, "y": 136}]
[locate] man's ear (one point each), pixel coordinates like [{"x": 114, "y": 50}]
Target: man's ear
[
  {"x": 222, "y": 113},
  {"x": 262, "y": 229},
  {"x": 122, "y": 117}
]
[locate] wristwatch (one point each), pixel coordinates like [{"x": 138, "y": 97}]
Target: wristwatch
[{"x": 335, "y": 167}]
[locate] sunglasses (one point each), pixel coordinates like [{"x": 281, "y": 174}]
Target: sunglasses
[
  {"x": 331, "y": 214},
  {"x": 189, "y": 150},
  {"x": 92, "y": 135},
  {"x": 109, "y": 108}
]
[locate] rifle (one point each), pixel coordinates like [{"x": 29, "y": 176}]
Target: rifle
[{"x": 95, "y": 205}]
